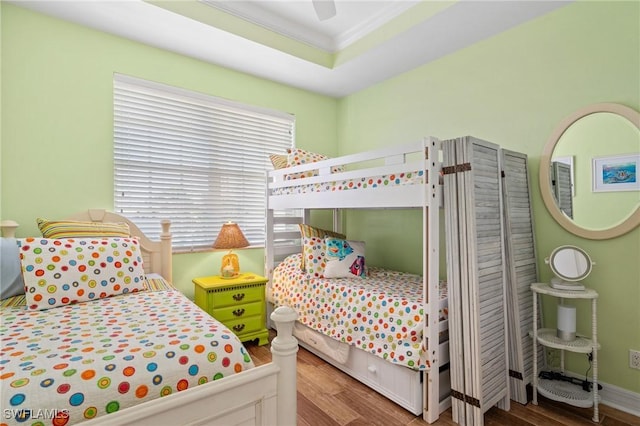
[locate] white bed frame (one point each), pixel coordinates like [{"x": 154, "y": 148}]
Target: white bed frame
[
  {"x": 431, "y": 390},
  {"x": 264, "y": 395}
]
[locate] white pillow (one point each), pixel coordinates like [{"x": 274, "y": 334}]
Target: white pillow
[
  {"x": 344, "y": 258},
  {"x": 70, "y": 270}
]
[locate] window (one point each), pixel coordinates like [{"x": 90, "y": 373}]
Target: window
[{"x": 195, "y": 159}]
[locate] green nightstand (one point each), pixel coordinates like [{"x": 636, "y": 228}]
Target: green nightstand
[{"x": 238, "y": 303}]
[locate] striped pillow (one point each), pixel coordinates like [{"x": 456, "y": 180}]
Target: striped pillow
[
  {"x": 312, "y": 231},
  {"x": 279, "y": 161},
  {"x": 78, "y": 229}
]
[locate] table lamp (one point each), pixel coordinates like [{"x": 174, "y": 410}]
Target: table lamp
[{"x": 230, "y": 237}]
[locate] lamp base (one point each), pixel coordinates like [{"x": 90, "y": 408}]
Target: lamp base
[{"x": 230, "y": 266}]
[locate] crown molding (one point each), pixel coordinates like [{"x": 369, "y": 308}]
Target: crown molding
[{"x": 252, "y": 12}]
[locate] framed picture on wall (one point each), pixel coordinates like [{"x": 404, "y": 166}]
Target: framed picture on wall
[{"x": 616, "y": 173}]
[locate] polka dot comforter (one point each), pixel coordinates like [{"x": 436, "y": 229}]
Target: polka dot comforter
[
  {"x": 381, "y": 181},
  {"x": 76, "y": 362},
  {"x": 382, "y": 314}
]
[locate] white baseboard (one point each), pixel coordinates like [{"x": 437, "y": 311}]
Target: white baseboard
[{"x": 621, "y": 399}]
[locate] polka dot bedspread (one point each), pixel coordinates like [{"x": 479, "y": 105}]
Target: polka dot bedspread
[
  {"x": 72, "y": 363},
  {"x": 382, "y": 314},
  {"x": 393, "y": 179}
]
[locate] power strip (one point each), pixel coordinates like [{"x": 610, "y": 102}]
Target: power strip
[{"x": 554, "y": 375}]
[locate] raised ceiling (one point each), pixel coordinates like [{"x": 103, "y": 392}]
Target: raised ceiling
[
  {"x": 299, "y": 20},
  {"x": 365, "y": 43}
]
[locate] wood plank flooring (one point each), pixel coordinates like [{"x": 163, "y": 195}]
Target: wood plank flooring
[{"x": 328, "y": 397}]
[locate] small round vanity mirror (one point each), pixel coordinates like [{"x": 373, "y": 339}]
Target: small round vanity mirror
[{"x": 569, "y": 264}]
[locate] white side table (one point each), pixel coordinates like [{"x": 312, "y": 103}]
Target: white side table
[{"x": 559, "y": 390}]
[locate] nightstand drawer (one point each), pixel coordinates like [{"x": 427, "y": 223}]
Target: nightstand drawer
[
  {"x": 238, "y": 312},
  {"x": 239, "y": 295},
  {"x": 245, "y": 325}
]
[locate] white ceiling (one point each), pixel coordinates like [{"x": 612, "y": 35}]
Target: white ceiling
[
  {"x": 455, "y": 27},
  {"x": 297, "y": 18}
]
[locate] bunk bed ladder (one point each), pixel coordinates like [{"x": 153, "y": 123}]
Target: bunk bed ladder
[{"x": 282, "y": 236}]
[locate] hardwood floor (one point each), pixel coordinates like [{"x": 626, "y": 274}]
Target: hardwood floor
[{"x": 328, "y": 397}]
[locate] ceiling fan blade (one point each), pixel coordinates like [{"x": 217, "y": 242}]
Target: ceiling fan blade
[{"x": 325, "y": 9}]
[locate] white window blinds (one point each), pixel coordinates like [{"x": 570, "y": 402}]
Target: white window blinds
[{"x": 195, "y": 159}]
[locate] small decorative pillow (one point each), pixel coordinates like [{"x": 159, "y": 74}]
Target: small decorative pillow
[
  {"x": 313, "y": 248},
  {"x": 64, "y": 271},
  {"x": 298, "y": 157},
  {"x": 344, "y": 259},
  {"x": 313, "y": 260},
  {"x": 79, "y": 229},
  {"x": 11, "y": 283}
]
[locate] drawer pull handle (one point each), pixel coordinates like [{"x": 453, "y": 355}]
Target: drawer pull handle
[
  {"x": 238, "y": 328},
  {"x": 372, "y": 369},
  {"x": 238, "y": 312},
  {"x": 238, "y": 297}
]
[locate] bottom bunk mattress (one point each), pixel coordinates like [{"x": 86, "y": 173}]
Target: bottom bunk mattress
[
  {"x": 382, "y": 314},
  {"x": 76, "y": 362}
]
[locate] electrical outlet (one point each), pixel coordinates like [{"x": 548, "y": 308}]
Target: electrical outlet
[{"x": 634, "y": 359}]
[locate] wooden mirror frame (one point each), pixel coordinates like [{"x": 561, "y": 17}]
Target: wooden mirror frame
[{"x": 621, "y": 228}]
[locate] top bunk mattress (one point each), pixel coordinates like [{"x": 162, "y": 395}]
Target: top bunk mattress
[
  {"x": 85, "y": 360},
  {"x": 382, "y": 314},
  {"x": 370, "y": 182}
]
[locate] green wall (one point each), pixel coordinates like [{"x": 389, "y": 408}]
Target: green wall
[
  {"x": 513, "y": 89},
  {"x": 57, "y": 119}
]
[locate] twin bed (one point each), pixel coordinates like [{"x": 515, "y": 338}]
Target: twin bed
[
  {"x": 145, "y": 356},
  {"x": 388, "y": 329}
]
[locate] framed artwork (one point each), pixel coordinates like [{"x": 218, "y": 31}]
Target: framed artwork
[{"x": 616, "y": 173}]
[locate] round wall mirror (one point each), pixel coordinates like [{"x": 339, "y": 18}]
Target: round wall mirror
[{"x": 591, "y": 160}]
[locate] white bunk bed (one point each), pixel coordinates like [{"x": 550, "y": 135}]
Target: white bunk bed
[
  {"x": 405, "y": 176},
  {"x": 263, "y": 395}
]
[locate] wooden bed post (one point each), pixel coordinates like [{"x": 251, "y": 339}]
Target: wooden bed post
[
  {"x": 165, "y": 250},
  {"x": 283, "y": 350},
  {"x": 431, "y": 276},
  {"x": 337, "y": 221},
  {"x": 8, "y": 228}
]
